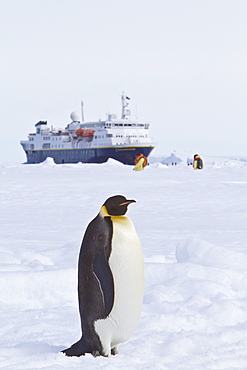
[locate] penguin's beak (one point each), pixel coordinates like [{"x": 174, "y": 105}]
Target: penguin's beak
[{"x": 127, "y": 202}]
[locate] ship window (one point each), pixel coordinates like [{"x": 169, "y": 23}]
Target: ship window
[{"x": 46, "y": 146}]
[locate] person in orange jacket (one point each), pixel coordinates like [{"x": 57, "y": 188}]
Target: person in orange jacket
[
  {"x": 140, "y": 162},
  {"x": 198, "y": 163}
]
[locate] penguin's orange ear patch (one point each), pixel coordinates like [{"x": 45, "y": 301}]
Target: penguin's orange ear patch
[
  {"x": 127, "y": 202},
  {"x": 123, "y": 204}
]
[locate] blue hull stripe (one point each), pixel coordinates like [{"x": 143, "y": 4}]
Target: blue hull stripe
[{"x": 125, "y": 155}]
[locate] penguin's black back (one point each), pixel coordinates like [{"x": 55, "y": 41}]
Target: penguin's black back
[
  {"x": 95, "y": 284},
  {"x": 93, "y": 258}
]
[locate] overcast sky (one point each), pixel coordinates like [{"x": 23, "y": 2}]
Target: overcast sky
[{"x": 183, "y": 63}]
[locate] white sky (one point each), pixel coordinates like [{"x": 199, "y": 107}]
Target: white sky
[{"x": 182, "y": 62}]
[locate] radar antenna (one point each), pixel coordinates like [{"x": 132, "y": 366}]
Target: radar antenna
[{"x": 125, "y": 104}]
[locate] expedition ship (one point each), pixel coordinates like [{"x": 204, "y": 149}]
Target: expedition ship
[{"x": 90, "y": 142}]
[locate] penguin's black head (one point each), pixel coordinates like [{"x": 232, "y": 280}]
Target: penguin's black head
[{"x": 117, "y": 205}]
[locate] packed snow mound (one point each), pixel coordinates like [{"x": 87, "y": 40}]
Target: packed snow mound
[
  {"x": 198, "y": 251},
  {"x": 113, "y": 162},
  {"x": 48, "y": 162},
  {"x": 228, "y": 163},
  {"x": 159, "y": 165}
]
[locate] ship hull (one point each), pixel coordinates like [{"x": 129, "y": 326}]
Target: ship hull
[{"x": 126, "y": 155}]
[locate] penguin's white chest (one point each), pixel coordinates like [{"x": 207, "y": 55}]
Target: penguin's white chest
[{"x": 126, "y": 263}]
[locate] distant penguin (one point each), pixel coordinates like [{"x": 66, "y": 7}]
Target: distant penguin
[{"x": 110, "y": 281}]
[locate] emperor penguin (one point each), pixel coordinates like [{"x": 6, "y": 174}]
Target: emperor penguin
[{"x": 110, "y": 281}]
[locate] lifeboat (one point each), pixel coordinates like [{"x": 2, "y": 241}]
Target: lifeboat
[
  {"x": 84, "y": 133},
  {"x": 79, "y": 132}
]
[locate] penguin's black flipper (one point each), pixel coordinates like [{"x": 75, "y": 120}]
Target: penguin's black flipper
[{"x": 103, "y": 273}]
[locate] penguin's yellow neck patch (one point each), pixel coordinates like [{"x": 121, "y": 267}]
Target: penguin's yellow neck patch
[{"x": 103, "y": 212}]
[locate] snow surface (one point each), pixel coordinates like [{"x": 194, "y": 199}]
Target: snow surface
[{"x": 192, "y": 225}]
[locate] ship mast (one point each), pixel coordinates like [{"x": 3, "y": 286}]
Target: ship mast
[
  {"x": 82, "y": 112},
  {"x": 125, "y": 109}
]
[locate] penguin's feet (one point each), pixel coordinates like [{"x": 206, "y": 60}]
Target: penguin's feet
[
  {"x": 114, "y": 351},
  {"x": 77, "y": 349},
  {"x": 73, "y": 352}
]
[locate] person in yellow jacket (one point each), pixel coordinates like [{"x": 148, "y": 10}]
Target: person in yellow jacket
[
  {"x": 198, "y": 163},
  {"x": 140, "y": 162}
]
